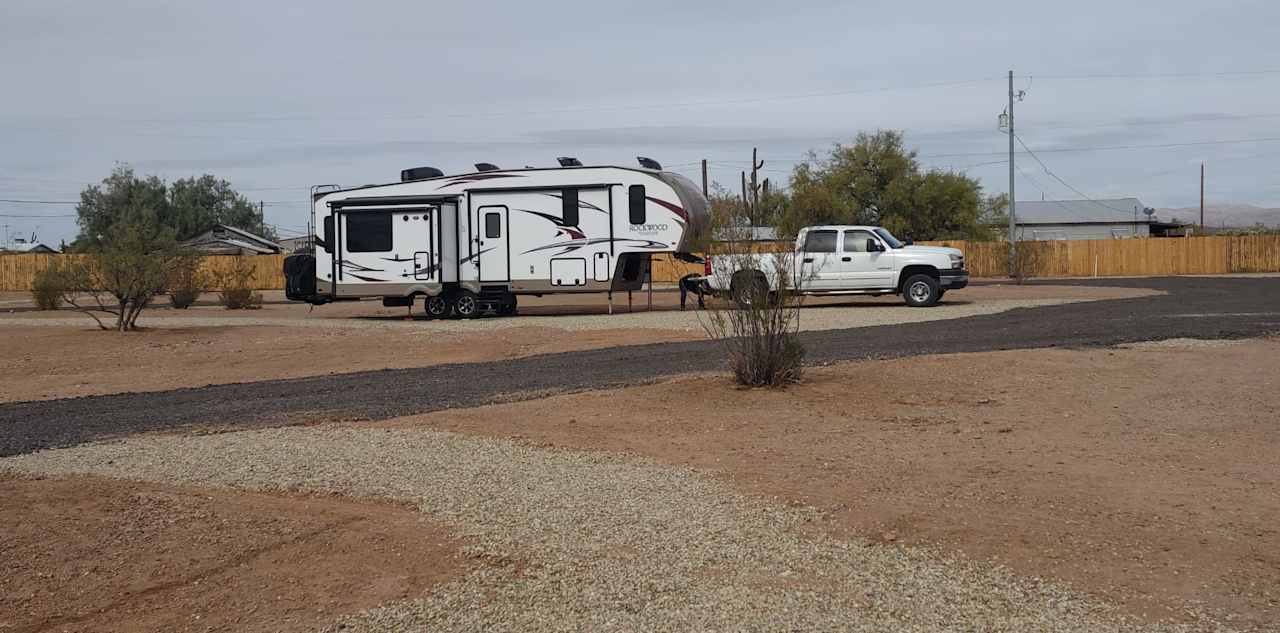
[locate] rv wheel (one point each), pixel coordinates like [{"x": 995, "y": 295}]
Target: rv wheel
[
  {"x": 437, "y": 307},
  {"x": 466, "y": 304}
]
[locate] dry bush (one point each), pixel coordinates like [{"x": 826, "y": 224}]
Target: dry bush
[
  {"x": 236, "y": 285},
  {"x": 122, "y": 274},
  {"x": 759, "y": 324},
  {"x": 1029, "y": 260},
  {"x": 186, "y": 281},
  {"x": 48, "y": 288}
]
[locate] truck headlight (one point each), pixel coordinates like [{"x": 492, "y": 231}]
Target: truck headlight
[{"x": 957, "y": 261}]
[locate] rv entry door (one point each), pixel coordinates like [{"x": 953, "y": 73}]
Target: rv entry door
[{"x": 493, "y": 240}]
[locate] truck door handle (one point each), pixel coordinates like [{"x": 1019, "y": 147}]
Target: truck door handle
[
  {"x": 846, "y": 259},
  {"x": 808, "y": 260}
]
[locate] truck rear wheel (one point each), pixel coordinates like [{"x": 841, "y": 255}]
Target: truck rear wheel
[
  {"x": 749, "y": 289},
  {"x": 921, "y": 291}
]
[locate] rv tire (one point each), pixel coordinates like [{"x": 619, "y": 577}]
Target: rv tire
[
  {"x": 437, "y": 307},
  {"x": 466, "y": 304}
]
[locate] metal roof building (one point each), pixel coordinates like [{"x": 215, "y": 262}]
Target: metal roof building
[
  {"x": 1096, "y": 219},
  {"x": 228, "y": 240}
]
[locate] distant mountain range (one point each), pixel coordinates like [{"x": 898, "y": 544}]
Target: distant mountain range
[{"x": 1228, "y": 215}]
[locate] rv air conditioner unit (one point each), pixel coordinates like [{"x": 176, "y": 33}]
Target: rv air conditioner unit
[
  {"x": 486, "y": 167},
  {"x": 569, "y": 161},
  {"x": 419, "y": 173},
  {"x": 649, "y": 163}
]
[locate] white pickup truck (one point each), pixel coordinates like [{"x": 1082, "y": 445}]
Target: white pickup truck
[{"x": 836, "y": 260}]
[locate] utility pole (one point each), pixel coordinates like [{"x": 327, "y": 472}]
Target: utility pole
[
  {"x": 1013, "y": 205},
  {"x": 262, "y": 218},
  {"x": 705, "y": 193},
  {"x": 1202, "y": 198},
  {"x": 746, "y": 201}
]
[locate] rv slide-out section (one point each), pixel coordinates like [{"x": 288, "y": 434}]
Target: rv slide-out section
[{"x": 479, "y": 240}]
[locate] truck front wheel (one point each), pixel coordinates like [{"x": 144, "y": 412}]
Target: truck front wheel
[{"x": 921, "y": 291}]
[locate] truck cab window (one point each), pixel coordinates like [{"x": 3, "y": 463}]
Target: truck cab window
[
  {"x": 856, "y": 241},
  {"x": 636, "y": 199},
  {"x": 820, "y": 242}
]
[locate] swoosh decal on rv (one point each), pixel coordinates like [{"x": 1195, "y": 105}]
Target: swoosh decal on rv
[
  {"x": 671, "y": 207},
  {"x": 572, "y": 231},
  {"x": 473, "y": 256}
]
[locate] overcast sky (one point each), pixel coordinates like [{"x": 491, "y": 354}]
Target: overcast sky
[{"x": 276, "y": 96}]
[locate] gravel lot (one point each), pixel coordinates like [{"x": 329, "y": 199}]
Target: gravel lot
[{"x": 583, "y": 541}]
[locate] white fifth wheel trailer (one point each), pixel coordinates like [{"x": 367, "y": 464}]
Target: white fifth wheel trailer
[{"x": 473, "y": 242}]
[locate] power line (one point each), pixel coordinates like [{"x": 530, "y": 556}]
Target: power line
[
  {"x": 662, "y": 106},
  {"x": 1231, "y": 73},
  {"x": 40, "y": 201},
  {"x": 1064, "y": 183}
]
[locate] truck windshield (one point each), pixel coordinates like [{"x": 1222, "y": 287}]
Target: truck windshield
[{"x": 889, "y": 238}]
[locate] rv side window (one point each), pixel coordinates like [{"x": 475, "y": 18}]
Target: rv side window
[
  {"x": 635, "y": 193},
  {"x": 820, "y": 242},
  {"x": 493, "y": 224},
  {"x": 570, "y": 209},
  {"x": 368, "y": 232},
  {"x": 326, "y": 240}
]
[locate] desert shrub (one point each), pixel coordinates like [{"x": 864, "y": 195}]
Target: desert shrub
[
  {"x": 757, "y": 327},
  {"x": 123, "y": 272},
  {"x": 186, "y": 281},
  {"x": 48, "y": 288},
  {"x": 236, "y": 283},
  {"x": 1030, "y": 260}
]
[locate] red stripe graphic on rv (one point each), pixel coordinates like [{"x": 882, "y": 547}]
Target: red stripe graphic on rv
[{"x": 674, "y": 209}]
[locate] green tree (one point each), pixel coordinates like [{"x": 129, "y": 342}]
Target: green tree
[
  {"x": 121, "y": 199},
  {"x": 876, "y": 180},
  {"x": 187, "y": 206},
  {"x": 198, "y": 203}
]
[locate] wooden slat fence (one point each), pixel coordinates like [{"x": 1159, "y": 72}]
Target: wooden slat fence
[{"x": 1102, "y": 258}]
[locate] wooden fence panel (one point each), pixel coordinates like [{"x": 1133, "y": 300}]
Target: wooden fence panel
[
  {"x": 18, "y": 270},
  {"x": 1103, "y": 258}
]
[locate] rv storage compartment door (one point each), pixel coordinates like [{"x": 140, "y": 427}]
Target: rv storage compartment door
[
  {"x": 602, "y": 267},
  {"x": 568, "y": 272}
]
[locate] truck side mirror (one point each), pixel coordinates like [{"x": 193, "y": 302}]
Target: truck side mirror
[
  {"x": 908, "y": 242},
  {"x": 873, "y": 246}
]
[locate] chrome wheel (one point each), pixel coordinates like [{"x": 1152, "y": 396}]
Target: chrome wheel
[
  {"x": 919, "y": 291},
  {"x": 466, "y": 305},
  {"x": 437, "y": 307}
]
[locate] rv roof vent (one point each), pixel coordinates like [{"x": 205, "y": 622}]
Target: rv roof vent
[
  {"x": 418, "y": 173},
  {"x": 486, "y": 167},
  {"x": 649, "y": 163},
  {"x": 569, "y": 161}
]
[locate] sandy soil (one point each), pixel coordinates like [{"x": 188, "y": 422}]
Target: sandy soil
[
  {"x": 280, "y": 341},
  {"x": 1149, "y": 476},
  {"x": 89, "y": 554}
]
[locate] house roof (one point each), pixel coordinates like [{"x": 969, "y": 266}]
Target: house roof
[
  {"x": 1096, "y": 211},
  {"x": 230, "y": 236},
  {"x": 27, "y": 247}
]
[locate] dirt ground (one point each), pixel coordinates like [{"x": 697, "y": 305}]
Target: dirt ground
[
  {"x": 41, "y": 362},
  {"x": 89, "y": 554},
  {"x": 1149, "y": 477}
]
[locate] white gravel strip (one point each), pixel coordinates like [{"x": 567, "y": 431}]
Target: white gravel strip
[
  {"x": 607, "y": 543},
  {"x": 1175, "y": 344},
  {"x": 813, "y": 318}
]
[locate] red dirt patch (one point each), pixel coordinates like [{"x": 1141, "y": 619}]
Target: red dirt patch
[
  {"x": 1150, "y": 478},
  {"x": 92, "y": 554}
]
